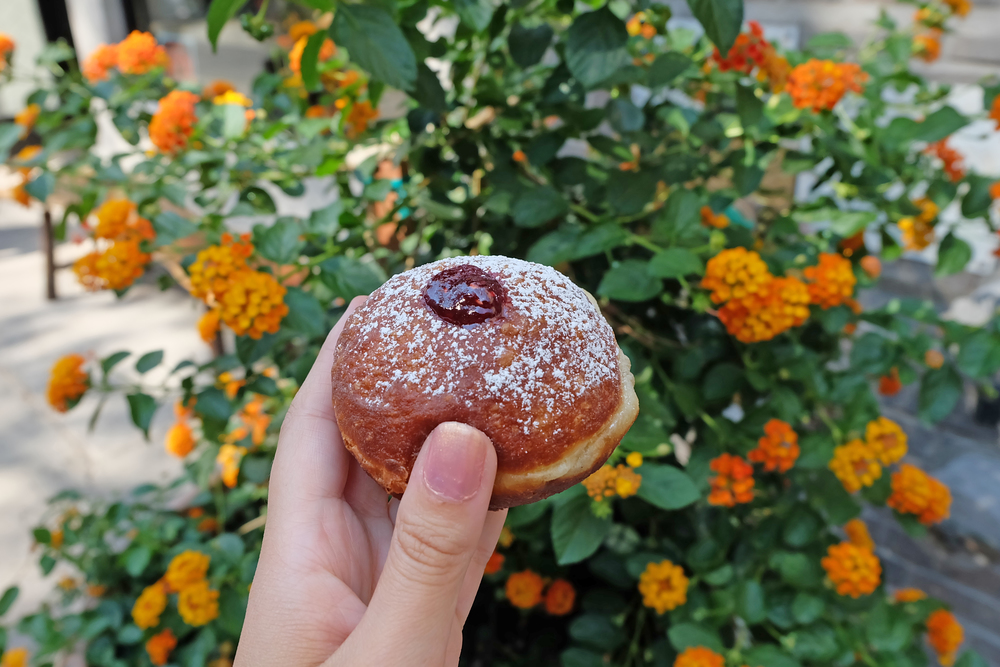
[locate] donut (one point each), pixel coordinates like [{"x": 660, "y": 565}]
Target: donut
[{"x": 510, "y": 347}]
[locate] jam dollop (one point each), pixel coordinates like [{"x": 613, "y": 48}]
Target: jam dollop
[{"x": 464, "y": 295}]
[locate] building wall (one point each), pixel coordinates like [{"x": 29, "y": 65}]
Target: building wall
[{"x": 20, "y": 19}]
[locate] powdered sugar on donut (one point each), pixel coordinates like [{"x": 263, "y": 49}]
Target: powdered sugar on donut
[{"x": 547, "y": 349}]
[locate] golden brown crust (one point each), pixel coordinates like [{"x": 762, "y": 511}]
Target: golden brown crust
[{"x": 546, "y": 382}]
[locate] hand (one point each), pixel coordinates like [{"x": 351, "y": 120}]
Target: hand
[{"x": 346, "y": 577}]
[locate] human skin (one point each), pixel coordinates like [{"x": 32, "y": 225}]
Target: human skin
[{"x": 347, "y": 577}]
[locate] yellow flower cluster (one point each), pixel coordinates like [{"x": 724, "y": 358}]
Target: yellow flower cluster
[
  {"x": 854, "y": 570},
  {"x": 249, "y": 302},
  {"x": 918, "y": 232},
  {"x": 609, "y": 482},
  {"x": 859, "y": 462},
  {"x": 121, "y": 261},
  {"x": 67, "y": 382},
  {"x": 197, "y": 603},
  {"x": 916, "y": 492},
  {"x": 757, "y": 306},
  {"x": 663, "y": 586},
  {"x": 831, "y": 282}
]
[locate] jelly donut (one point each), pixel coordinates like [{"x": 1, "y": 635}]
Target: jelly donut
[{"x": 512, "y": 348}]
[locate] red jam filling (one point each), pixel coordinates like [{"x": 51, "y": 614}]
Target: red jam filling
[{"x": 464, "y": 295}]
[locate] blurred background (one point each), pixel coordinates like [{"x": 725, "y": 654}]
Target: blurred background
[{"x": 43, "y": 452}]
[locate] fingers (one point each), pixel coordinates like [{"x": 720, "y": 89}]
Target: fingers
[
  {"x": 474, "y": 576},
  {"x": 311, "y": 461},
  {"x": 439, "y": 529}
]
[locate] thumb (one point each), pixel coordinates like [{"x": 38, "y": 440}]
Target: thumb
[{"x": 438, "y": 529}]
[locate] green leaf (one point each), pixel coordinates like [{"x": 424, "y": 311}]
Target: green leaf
[
  {"x": 111, "y": 361},
  {"x": 939, "y": 125},
  {"x": 136, "y": 559},
  {"x": 666, "y": 487},
  {"x": 979, "y": 355},
  {"x": 940, "y": 390},
  {"x": 599, "y": 239},
  {"x": 749, "y": 107},
  {"x": 576, "y": 532},
  {"x": 953, "y": 255},
  {"x": 41, "y": 186},
  {"x": 667, "y": 67},
  {"x": 305, "y": 314},
  {"x": 629, "y": 192},
  {"x": 258, "y": 199},
  {"x": 8, "y": 598},
  {"x": 842, "y": 223},
  {"x": 325, "y": 221},
  {"x": 750, "y": 602},
  {"x": 721, "y": 382},
  {"x": 807, "y": 608},
  {"x": 232, "y": 610},
  {"x": 595, "y": 46},
  {"x": 686, "y": 635},
  {"x": 801, "y": 527},
  {"x": 769, "y": 655},
  {"x": 10, "y": 133},
  {"x": 555, "y": 247},
  {"x": 349, "y": 277},
  {"x": 375, "y": 43},
  {"x": 977, "y": 200},
  {"x": 675, "y": 263},
  {"x": 213, "y": 404},
  {"x": 971, "y": 659},
  {"x": 428, "y": 91},
  {"x": 142, "y": 407},
  {"x": 528, "y": 45},
  {"x": 219, "y": 14},
  {"x": 474, "y": 13},
  {"x": 171, "y": 227},
  {"x": 625, "y": 117},
  {"x": 681, "y": 214},
  {"x": 249, "y": 350},
  {"x": 630, "y": 281},
  {"x": 722, "y": 20},
  {"x": 579, "y": 657},
  {"x": 279, "y": 242},
  {"x": 310, "y": 60},
  {"x": 598, "y": 631},
  {"x": 829, "y": 42},
  {"x": 149, "y": 361},
  {"x": 537, "y": 206}
]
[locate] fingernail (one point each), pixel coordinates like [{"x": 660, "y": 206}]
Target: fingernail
[{"x": 454, "y": 468}]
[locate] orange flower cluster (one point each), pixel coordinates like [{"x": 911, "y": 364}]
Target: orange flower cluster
[
  {"x": 136, "y": 54},
  {"x": 820, "y": 84},
  {"x": 886, "y": 439},
  {"x": 249, "y": 302},
  {"x": 67, "y": 382},
  {"x": 699, "y": 656},
  {"x": 663, "y": 586},
  {"x": 916, "y": 492},
  {"x": 608, "y": 482},
  {"x": 173, "y": 123},
  {"x": 19, "y": 194},
  {"x": 953, "y": 161},
  {"x": 778, "y": 449},
  {"x": 752, "y": 51},
  {"x": 637, "y": 25},
  {"x": 159, "y": 647},
  {"x": 495, "y": 563},
  {"x": 858, "y": 535},
  {"x": 327, "y": 51},
  {"x": 185, "y": 575},
  {"x": 918, "y": 232},
  {"x": 831, "y": 282},
  {"x": 15, "y": 657},
  {"x": 890, "y": 385},
  {"x": 905, "y": 595},
  {"x": 6, "y": 48},
  {"x": 710, "y": 218},
  {"x": 216, "y": 88},
  {"x": 560, "y": 598},
  {"x": 995, "y": 111},
  {"x": 959, "y": 7},
  {"x": 118, "y": 219},
  {"x": 358, "y": 117},
  {"x": 927, "y": 46},
  {"x": 122, "y": 261},
  {"x": 255, "y": 421},
  {"x": 856, "y": 464},
  {"x": 26, "y": 118},
  {"x": 757, "y": 305},
  {"x": 854, "y": 570},
  {"x": 149, "y": 605},
  {"x": 733, "y": 483},
  {"x": 198, "y": 604},
  {"x": 871, "y": 265},
  {"x": 230, "y": 456},
  {"x": 180, "y": 438},
  {"x": 945, "y": 634}
]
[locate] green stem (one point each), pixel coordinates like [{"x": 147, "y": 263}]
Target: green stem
[
  {"x": 583, "y": 212},
  {"x": 644, "y": 242}
]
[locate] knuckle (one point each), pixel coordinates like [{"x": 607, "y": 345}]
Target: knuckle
[{"x": 430, "y": 550}]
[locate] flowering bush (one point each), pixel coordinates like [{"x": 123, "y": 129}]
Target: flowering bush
[{"x": 650, "y": 164}]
